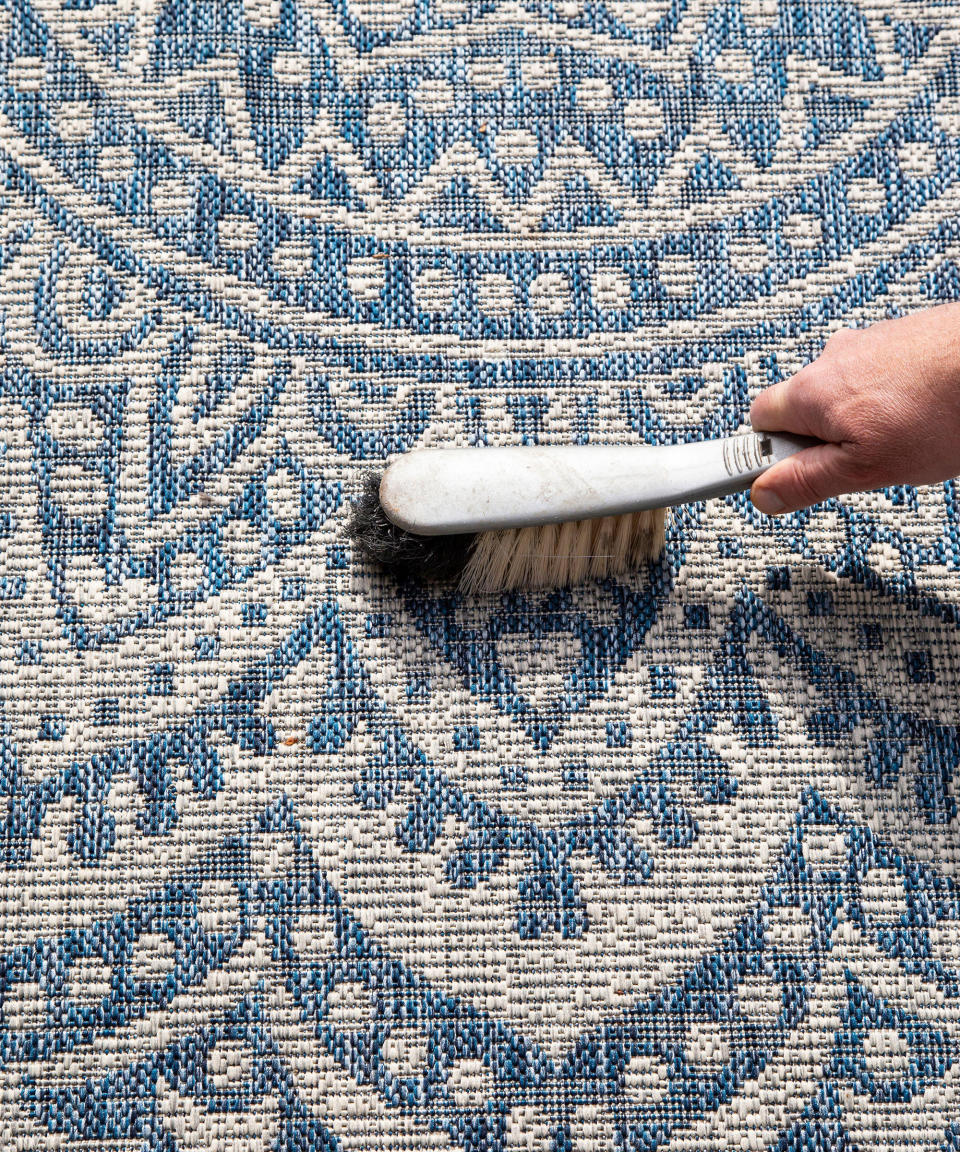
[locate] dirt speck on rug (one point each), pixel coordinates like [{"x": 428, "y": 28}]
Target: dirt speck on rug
[{"x": 295, "y": 858}]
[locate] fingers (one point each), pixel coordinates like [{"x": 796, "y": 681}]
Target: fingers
[
  {"x": 810, "y": 476},
  {"x": 796, "y": 405},
  {"x": 770, "y": 411},
  {"x": 885, "y": 402}
]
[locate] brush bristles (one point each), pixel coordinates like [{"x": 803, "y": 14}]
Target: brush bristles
[
  {"x": 401, "y": 553},
  {"x": 549, "y": 556},
  {"x": 560, "y": 555}
]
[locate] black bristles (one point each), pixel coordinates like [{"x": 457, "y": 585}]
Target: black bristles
[{"x": 401, "y": 553}]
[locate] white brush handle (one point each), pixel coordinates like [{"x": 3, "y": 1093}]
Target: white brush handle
[{"x": 439, "y": 492}]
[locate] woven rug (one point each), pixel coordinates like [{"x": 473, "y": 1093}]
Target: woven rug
[{"x": 295, "y": 858}]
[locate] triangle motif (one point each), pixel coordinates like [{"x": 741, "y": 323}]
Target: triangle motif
[
  {"x": 709, "y": 177},
  {"x": 327, "y": 182},
  {"x": 460, "y": 207},
  {"x": 579, "y": 206}
]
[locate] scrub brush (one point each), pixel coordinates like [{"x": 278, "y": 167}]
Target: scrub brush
[{"x": 494, "y": 519}]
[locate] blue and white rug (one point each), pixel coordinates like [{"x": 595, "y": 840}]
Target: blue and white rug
[{"x": 294, "y": 859}]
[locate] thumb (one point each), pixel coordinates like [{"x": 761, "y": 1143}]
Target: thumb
[{"x": 810, "y": 476}]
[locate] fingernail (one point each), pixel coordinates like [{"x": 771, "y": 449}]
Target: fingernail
[{"x": 767, "y": 502}]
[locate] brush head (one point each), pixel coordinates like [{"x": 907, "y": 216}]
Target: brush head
[
  {"x": 544, "y": 556},
  {"x": 402, "y": 553}
]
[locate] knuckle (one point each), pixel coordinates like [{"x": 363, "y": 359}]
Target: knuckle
[
  {"x": 869, "y": 429},
  {"x": 836, "y": 401},
  {"x": 840, "y": 339},
  {"x": 814, "y": 395},
  {"x": 783, "y": 397},
  {"x": 852, "y": 427},
  {"x": 803, "y": 380},
  {"x": 833, "y": 377}
]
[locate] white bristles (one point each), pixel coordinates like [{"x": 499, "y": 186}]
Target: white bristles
[
  {"x": 603, "y": 541},
  {"x": 557, "y": 555}
]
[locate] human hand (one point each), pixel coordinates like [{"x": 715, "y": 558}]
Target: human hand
[{"x": 886, "y": 401}]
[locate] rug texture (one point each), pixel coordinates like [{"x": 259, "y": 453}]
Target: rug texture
[{"x": 293, "y": 858}]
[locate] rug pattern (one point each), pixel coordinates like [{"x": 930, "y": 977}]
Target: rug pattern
[{"x": 294, "y": 858}]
